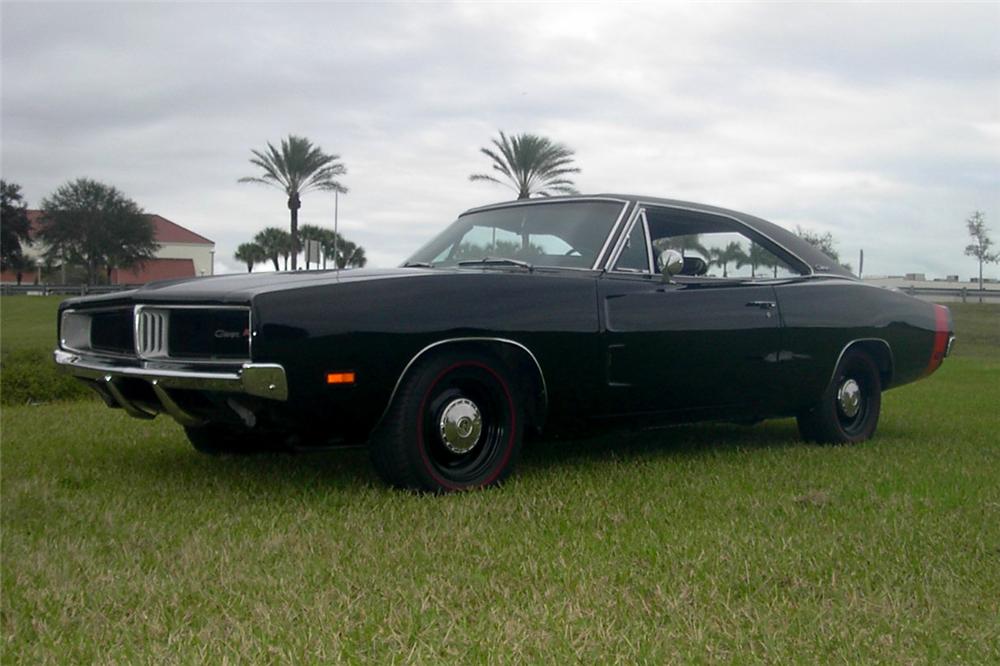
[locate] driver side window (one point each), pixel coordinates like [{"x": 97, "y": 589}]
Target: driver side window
[{"x": 715, "y": 247}]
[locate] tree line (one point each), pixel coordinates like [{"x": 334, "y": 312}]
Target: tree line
[
  {"x": 83, "y": 223},
  {"x": 95, "y": 226},
  {"x": 272, "y": 244}
]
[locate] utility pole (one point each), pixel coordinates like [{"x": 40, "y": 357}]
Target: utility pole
[
  {"x": 336, "y": 234},
  {"x": 861, "y": 263}
]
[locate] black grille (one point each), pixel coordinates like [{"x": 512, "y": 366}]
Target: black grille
[
  {"x": 209, "y": 334},
  {"x": 111, "y": 331}
]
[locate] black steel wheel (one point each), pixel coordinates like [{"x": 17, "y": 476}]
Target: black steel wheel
[
  {"x": 454, "y": 424},
  {"x": 849, "y": 409}
]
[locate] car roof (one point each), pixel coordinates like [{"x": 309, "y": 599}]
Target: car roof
[{"x": 818, "y": 261}]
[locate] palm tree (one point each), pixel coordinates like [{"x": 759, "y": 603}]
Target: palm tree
[
  {"x": 312, "y": 232},
  {"x": 758, "y": 256},
  {"x": 250, "y": 254},
  {"x": 330, "y": 244},
  {"x": 681, "y": 243},
  {"x": 733, "y": 252},
  {"x": 295, "y": 169},
  {"x": 350, "y": 255},
  {"x": 532, "y": 164},
  {"x": 274, "y": 242}
]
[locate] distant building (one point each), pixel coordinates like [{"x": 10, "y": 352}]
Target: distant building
[{"x": 182, "y": 253}]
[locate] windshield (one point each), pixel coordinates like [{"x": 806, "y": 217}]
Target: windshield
[{"x": 545, "y": 234}]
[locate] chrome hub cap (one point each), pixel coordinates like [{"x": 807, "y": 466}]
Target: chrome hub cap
[
  {"x": 461, "y": 424},
  {"x": 849, "y": 398}
]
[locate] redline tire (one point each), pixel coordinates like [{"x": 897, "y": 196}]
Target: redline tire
[
  {"x": 828, "y": 422},
  {"x": 411, "y": 449}
]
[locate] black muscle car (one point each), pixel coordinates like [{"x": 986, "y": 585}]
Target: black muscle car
[{"x": 523, "y": 316}]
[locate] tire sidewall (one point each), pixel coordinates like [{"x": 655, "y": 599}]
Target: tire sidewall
[
  {"x": 858, "y": 366},
  {"x": 427, "y": 382}
]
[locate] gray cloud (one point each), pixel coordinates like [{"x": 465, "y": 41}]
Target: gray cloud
[{"x": 879, "y": 123}]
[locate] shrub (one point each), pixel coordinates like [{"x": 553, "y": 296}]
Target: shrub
[{"x": 30, "y": 375}]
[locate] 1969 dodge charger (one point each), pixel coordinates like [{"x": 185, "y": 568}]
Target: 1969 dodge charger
[{"x": 546, "y": 314}]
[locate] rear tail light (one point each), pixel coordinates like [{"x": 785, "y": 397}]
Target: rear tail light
[{"x": 942, "y": 338}]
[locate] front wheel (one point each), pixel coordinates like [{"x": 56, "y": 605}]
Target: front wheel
[
  {"x": 454, "y": 424},
  {"x": 849, "y": 409}
]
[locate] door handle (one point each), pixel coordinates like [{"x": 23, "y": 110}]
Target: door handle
[{"x": 763, "y": 305}]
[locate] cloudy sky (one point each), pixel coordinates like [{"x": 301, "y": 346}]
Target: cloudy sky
[{"x": 877, "y": 122}]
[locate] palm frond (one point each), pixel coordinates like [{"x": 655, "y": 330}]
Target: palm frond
[
  {"x": 483, "y": 176},
  {"x": 531, "y": 164}
]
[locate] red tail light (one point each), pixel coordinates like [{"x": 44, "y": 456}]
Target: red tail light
[{"x": 942, "y": 318}]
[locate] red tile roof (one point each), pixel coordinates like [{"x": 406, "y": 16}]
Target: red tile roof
[
  {"x": 153, "y": 269},
  {"x": 166, "y": 231},
  {"x": 171, "y": 232}
]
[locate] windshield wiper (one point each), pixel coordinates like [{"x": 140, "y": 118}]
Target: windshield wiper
[
  {"x": 418, "y": 264},
  {"x": 495, "y": 261}
]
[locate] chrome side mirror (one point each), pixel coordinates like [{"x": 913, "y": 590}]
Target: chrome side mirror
[{"x": 671, "y": 263}]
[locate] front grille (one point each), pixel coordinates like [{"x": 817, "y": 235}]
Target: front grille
[
  {"x": 151, "y": 333},
  {"x": 210, "y": 334},
  {"x": 111, "y": 331},
  {"x": 182, "y": 333}
]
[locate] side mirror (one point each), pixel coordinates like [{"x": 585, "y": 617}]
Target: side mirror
[{"x": 672, "y": 262}]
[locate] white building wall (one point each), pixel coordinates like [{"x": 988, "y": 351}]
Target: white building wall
[{"x": 202, "y": 254}]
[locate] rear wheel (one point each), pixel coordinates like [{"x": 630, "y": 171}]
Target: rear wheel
[
  {"x": 849, "y": 409},
  {"x": 454, "y": 424}
]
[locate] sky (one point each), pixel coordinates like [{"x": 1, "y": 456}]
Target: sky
[{"x": 878, "y": 123}]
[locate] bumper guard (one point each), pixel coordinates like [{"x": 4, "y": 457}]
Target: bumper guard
[{"x": 263, "y": 380}]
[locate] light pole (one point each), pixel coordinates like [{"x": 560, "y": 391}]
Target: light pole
[{"x": 336, "y": 234}]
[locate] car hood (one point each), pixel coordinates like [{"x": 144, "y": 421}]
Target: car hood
[{"x": 241, "y": 288}]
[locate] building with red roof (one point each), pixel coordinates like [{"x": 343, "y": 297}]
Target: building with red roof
[{"x": 182, "y": 253}]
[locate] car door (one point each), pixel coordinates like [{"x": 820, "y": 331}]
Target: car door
[
  {"x": 692, "y": 343},
  {"x": 688, "y": 346}
]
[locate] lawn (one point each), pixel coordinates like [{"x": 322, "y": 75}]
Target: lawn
[
  {"x": 28, "y": 322},
  {"x": 27, "y": 337},
  {"x": 708, "y": 543}
]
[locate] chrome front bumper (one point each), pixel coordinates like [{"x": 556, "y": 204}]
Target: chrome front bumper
[{"x": 263, "y": 380}]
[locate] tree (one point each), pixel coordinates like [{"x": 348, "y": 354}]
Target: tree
[
  {"x": 250, "y": 254},
  {"x": 14, "y": 226},
  {"x": 733, "y": 252},
  {"x": 275, "y": 243},
  {"x": 980, "y": 249},
  {"x": 343, "y": 252},
  {"x": 331, "y": 244},
  {"x": 532, "y": 164},
  {"x": 311, "y": 232},
  {"x": 681, "y": 243},
  {"x": 295, "y": 169},
  {"x": 759, "y": 256},
  {"x": 822, "y": 242},
  {"x": 21, "y": 265},
  {"x": 350, "y": 255},
  {"x": 92, "y": 224}
]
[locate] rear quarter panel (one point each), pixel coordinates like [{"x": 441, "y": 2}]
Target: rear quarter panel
[{"x": 820, "y": 317}]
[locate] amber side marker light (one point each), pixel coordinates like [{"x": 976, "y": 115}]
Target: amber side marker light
[{"x": 340, "y": 378}]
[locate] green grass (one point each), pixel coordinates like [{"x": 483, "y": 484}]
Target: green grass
[
  {"x": 28, "y": 322},
  {"x": 708, "y": 543},
  {"x": 977, "y": 328},
  {"x": 27, "y": 338}
]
